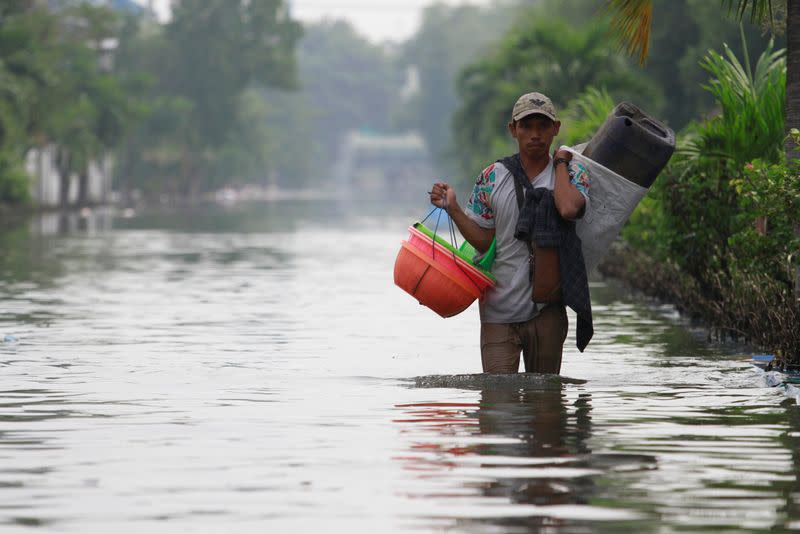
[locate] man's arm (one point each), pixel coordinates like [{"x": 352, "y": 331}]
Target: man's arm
[
  {"x": 570, "y": 203},
  {"x": 444, "y": 196}
]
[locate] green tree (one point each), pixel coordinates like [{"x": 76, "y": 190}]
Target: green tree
[
  {"x": 197, "y": 133},
  {"x": 684, "y": 30},
  {"x": 345, "y": 83},
  {"x": 569, "y": 60},
  {"x": 245, "y": 157},
  {"x": 633, "y": 19},
  {"x": 633, "y": 22},
  {"x": 349, "y": 82},
  {"x": 149, "y": 157},
  {"x": 697, "y": 197},
  {"x": 56, "y": 87},
  {"x": 449, "y": 38},
  {"x": 95, "y": 106},
  {"x": 27, "y": 52},
  {"x": 214, "y": 50}
]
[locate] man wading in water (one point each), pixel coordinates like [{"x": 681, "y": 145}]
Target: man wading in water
[{"x": 528, "y": 202}]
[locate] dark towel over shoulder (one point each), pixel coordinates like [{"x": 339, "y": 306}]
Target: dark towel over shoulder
[{"x": 539, "y": 222}]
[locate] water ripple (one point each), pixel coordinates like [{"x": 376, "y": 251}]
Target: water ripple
[{"x": 249, "y": 375}]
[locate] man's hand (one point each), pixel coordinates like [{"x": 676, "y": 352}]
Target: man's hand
[
  {"x": 443, "y": 196},
  {"x": 561, "y": 153},
  {"x": 570, "y": 203}
]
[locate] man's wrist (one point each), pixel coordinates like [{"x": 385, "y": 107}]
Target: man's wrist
[{"x": 558, "y": 161}]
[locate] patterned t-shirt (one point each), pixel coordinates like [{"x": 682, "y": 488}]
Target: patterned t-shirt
[{"x": 493, "y": 204}]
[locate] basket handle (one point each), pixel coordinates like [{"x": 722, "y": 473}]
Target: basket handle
[{"x": 453, "y": 239}]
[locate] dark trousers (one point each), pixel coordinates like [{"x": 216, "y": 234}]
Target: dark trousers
[{"x": 541, "y": 341}]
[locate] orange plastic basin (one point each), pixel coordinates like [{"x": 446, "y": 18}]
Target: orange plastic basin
[{"x": 446, "y": 284}]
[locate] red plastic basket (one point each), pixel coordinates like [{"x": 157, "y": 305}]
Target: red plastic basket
[{"x": 437, "y": 277}]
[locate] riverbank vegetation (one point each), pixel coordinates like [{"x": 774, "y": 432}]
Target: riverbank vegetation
[
  {"x": 724, "y": 219},
  {"x": 717, "y": 232}
]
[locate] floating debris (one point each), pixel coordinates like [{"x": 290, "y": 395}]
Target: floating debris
[
  {"x": 785, "y": 379},
  {"x": 793, "y": 392},
  {"x": 8, "y": 338},
  {"x": 763, "y": 361},
  {"x": 774, "y": 378}
]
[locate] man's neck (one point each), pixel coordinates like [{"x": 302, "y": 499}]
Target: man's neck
[{"x": 533, "y": 166}]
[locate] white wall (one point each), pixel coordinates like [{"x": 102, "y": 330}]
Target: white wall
[{"x": 45, "y": 181}]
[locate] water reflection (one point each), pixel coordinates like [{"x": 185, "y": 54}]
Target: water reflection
[
  {"x": 518, "y": 458},
  {"x": 790, "y": 493},
  {"x": 548, "y": 430},
  {"x": 30, "y": 247}
]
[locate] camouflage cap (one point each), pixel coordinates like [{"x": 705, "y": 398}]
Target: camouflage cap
[{"x": 533, "y": 103}]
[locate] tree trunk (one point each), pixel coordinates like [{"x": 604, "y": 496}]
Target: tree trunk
[
  {"x": 40, "y": 180},
  {"x": 793, "y": 97},
  {"x": 83, "y": 187},
  {"x": 62, "y": 164},
  {"x": 792, "y": 74}
]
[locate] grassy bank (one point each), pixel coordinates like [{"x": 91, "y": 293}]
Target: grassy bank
[
  {"x": 717, "y": 233},
  {"x": 752, "y": 308}
]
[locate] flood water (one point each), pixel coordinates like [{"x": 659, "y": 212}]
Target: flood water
[{"x": 254, "y": 369}]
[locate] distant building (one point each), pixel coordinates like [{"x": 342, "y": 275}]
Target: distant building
[
  {"x": 383, "y": 165},
  {"x": 46, "y": 181}
]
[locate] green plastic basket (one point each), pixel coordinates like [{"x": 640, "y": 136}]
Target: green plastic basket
[
  {"x": 466, "y": 251},
  {"x": 486, "y": 261}
]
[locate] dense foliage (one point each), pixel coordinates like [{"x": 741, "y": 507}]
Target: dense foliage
[
  {"x": 89, "y": 81},
  {"x": 724, "y": 214},
  {"x": 569, "y": 60},
  {"x": 448, "y": 40},
  {"x": 569, "y": 54},
  {"x": 346, "y": 83},
  {"x": 201, "y": 64},
  {"x": 698, "y": 199},
  {"x": 56, "y": 88},
  {"x": 270, "y": 131}
]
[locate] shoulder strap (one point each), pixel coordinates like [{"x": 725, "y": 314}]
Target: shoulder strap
[{"x": 512, "y": 163}]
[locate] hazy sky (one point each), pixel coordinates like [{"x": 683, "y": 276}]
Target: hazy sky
[{"x": 378, "y": 20}]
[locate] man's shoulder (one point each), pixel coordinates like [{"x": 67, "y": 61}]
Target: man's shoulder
[
  {"x": 500, "y": 165},
  {"x": 493, "y": 173}
]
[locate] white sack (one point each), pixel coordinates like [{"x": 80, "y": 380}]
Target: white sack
[{"x": 612, "y": 200}]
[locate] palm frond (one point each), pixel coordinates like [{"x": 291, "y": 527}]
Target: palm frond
[
  {"x": 585, "y": 114},
  {"x": 760, "y": 10},
  {"x": 631, "y": 21},
  {"x": 752, "y": 108}
]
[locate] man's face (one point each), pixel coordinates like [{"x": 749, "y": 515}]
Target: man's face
[{"x": 534, "y": 135}]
